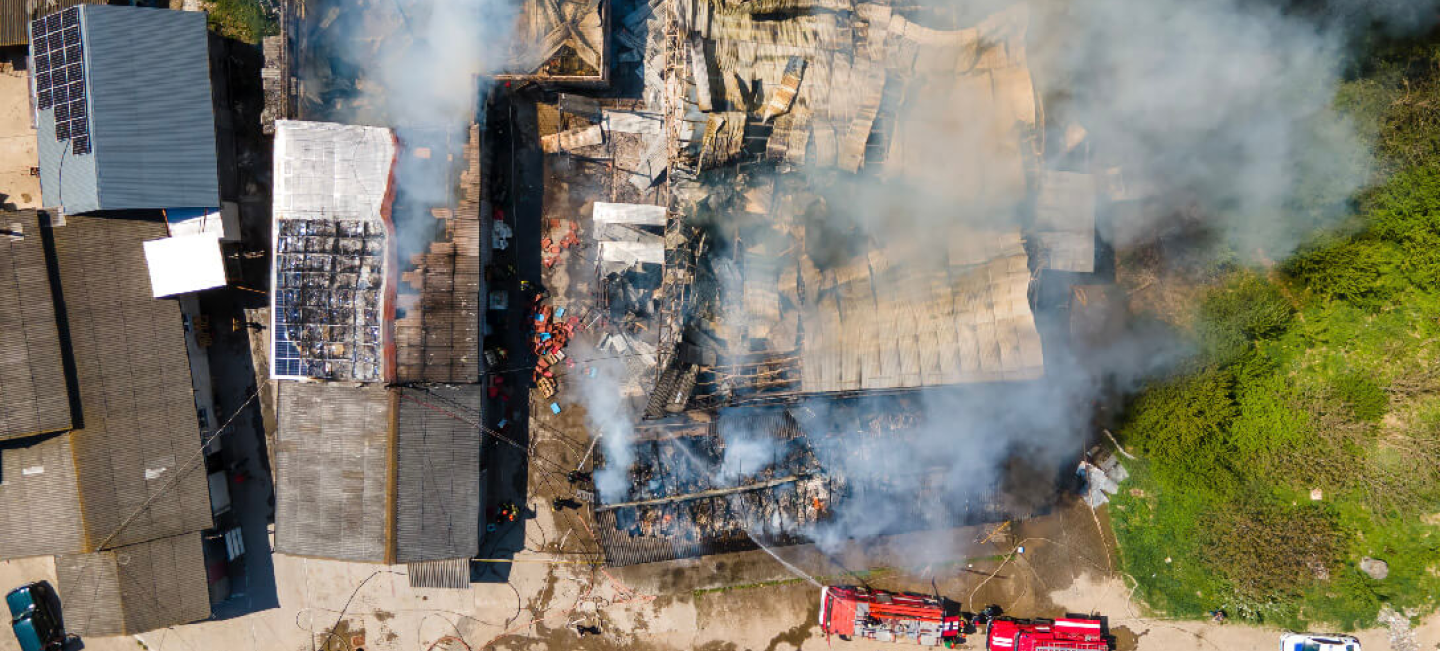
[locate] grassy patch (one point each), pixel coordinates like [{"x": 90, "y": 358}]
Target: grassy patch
[
  {"x": 1321, "y": 378},
  {"x": 244, "y": 20}
]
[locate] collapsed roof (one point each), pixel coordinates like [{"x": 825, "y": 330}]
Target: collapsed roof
[
  {"x": 438, "y": 338},
  {"x": 560, "y": 41},
  {"x": 784, "y": 477},
  {"x": 858, "y": 88}
]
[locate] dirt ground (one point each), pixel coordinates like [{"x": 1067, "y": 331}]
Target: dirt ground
[
  {"x": 730, "y": 602},
  {"x": 18, "y": 189}
]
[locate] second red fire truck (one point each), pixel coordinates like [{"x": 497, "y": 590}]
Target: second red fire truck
[{"x": 856, "y": 612}]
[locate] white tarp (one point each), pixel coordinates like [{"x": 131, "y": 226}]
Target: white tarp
[
  {"x": 325, "y": 170},
  {"x": 629, "y": 213},
  {"x": 633, "y": 252},
  {"x": 180, "y": 265}
]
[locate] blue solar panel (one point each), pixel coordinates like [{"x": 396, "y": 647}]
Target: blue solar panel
[
  {"x": 328, "y": 277},
  {"x": 59, "y": 72}
]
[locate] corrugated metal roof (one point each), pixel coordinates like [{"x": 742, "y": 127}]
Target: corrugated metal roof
[
  {"x": 39, "y": 499},
  {"x": 331, "y": 471},
  {"x": 138, "y": 422},
  {"x": 152, "y": 117},
  {"x": 32, "y": 371},
  {"x": 378, "y": 475},
  {"x": 136, "y": 588},
  {"x": 15, "y": 16},
  {"x": 893, "y": 327},
  {"x": 437, "y": 486}
]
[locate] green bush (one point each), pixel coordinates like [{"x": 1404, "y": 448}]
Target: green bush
[
  {"x": 1171, "y": 419},
  {"x": 1365, "y": 272},
  {"x": 1246, "y": 308},
  {"x": 244, "y": 20},
  {"x": 1267, "y": 423},
  {"x": 1218, "y": 510},
  {"x": 1272, "y": 553},
  {"x": 1365, "y": 398}
]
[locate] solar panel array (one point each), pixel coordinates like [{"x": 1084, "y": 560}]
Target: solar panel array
[
  {"x": 328, "y": 281},
  {"x": 59, "y": 71}
]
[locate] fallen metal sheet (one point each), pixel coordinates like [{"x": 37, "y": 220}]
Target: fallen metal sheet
[
  {"x": 629, "y": 213},
  {"x": 633, "y": 252},
  {"x": 634, "y": 122},
  {"x": 573, "y": 139}
]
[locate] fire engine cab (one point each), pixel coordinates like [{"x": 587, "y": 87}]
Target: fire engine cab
[
  {"x": 849, "y": 611},
  {"x": 1005, "y": 634}
]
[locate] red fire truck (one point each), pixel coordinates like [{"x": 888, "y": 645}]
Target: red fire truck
[
  {"x": 1069, "y": 634},
  {"x": 855, "y": 612},
  {"x": 849, "y": 611}
]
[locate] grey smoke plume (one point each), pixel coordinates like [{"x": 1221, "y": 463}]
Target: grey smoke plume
[
  {"x": 610, "y": 418},
  {"x": 418, "y": 67},
  {"x": 1216, "y": 116}
]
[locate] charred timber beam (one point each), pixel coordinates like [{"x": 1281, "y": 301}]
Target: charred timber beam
[{"x": 714, "y": 492}]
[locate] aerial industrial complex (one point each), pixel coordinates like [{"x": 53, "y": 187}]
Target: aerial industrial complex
[{"x": 563, "y": 324}]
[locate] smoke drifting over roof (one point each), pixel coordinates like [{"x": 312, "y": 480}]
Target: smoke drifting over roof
[
  {"x": 418, "y": 67},
  {"x": 1207, "y": 118}
]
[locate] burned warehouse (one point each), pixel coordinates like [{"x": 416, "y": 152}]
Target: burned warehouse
[{"x": 817, "y": 291}]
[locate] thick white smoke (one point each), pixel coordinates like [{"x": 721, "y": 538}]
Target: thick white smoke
[
  {"x": 1217, "y": 113},
  {"x": 418, "y": 67},
  {"x": 610, "y": 418}
]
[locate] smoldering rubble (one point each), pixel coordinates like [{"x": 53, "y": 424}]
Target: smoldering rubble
[{"x": 885, "y": 214}]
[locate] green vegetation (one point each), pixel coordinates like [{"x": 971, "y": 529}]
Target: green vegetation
[
  {"x": 1305, "y": 434},
  {"x": 244, "y": 20}
]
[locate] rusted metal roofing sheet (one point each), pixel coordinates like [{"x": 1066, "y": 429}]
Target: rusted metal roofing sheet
[
  {"x": 437, "y": 485},
  {"x": 15, "y": 16},
  {"x": 39, "y": 499}
]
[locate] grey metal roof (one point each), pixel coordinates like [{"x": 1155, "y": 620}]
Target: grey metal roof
[
  {"x": 39, "y": 499},
  {"x": 32, "y": 371},
  {"x": 152, "y": 118},
  {"x": 332, "y": 458},
  {"x": 138, "y": 421},
  {"x": 378, "y": 475},
  {"x": 437, "y": 447},
  {"x": 135, "y": 588}
]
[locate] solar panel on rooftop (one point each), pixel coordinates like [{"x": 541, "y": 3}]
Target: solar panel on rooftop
[{"x": 59, "y": 73}]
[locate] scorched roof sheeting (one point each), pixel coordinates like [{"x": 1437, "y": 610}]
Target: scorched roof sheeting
[
  {"x": 890, "y": 328},
  {"x": 328, "y": 304}
]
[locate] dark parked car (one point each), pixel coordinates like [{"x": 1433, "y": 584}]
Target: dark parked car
[{"x": 35, "y": 618}]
